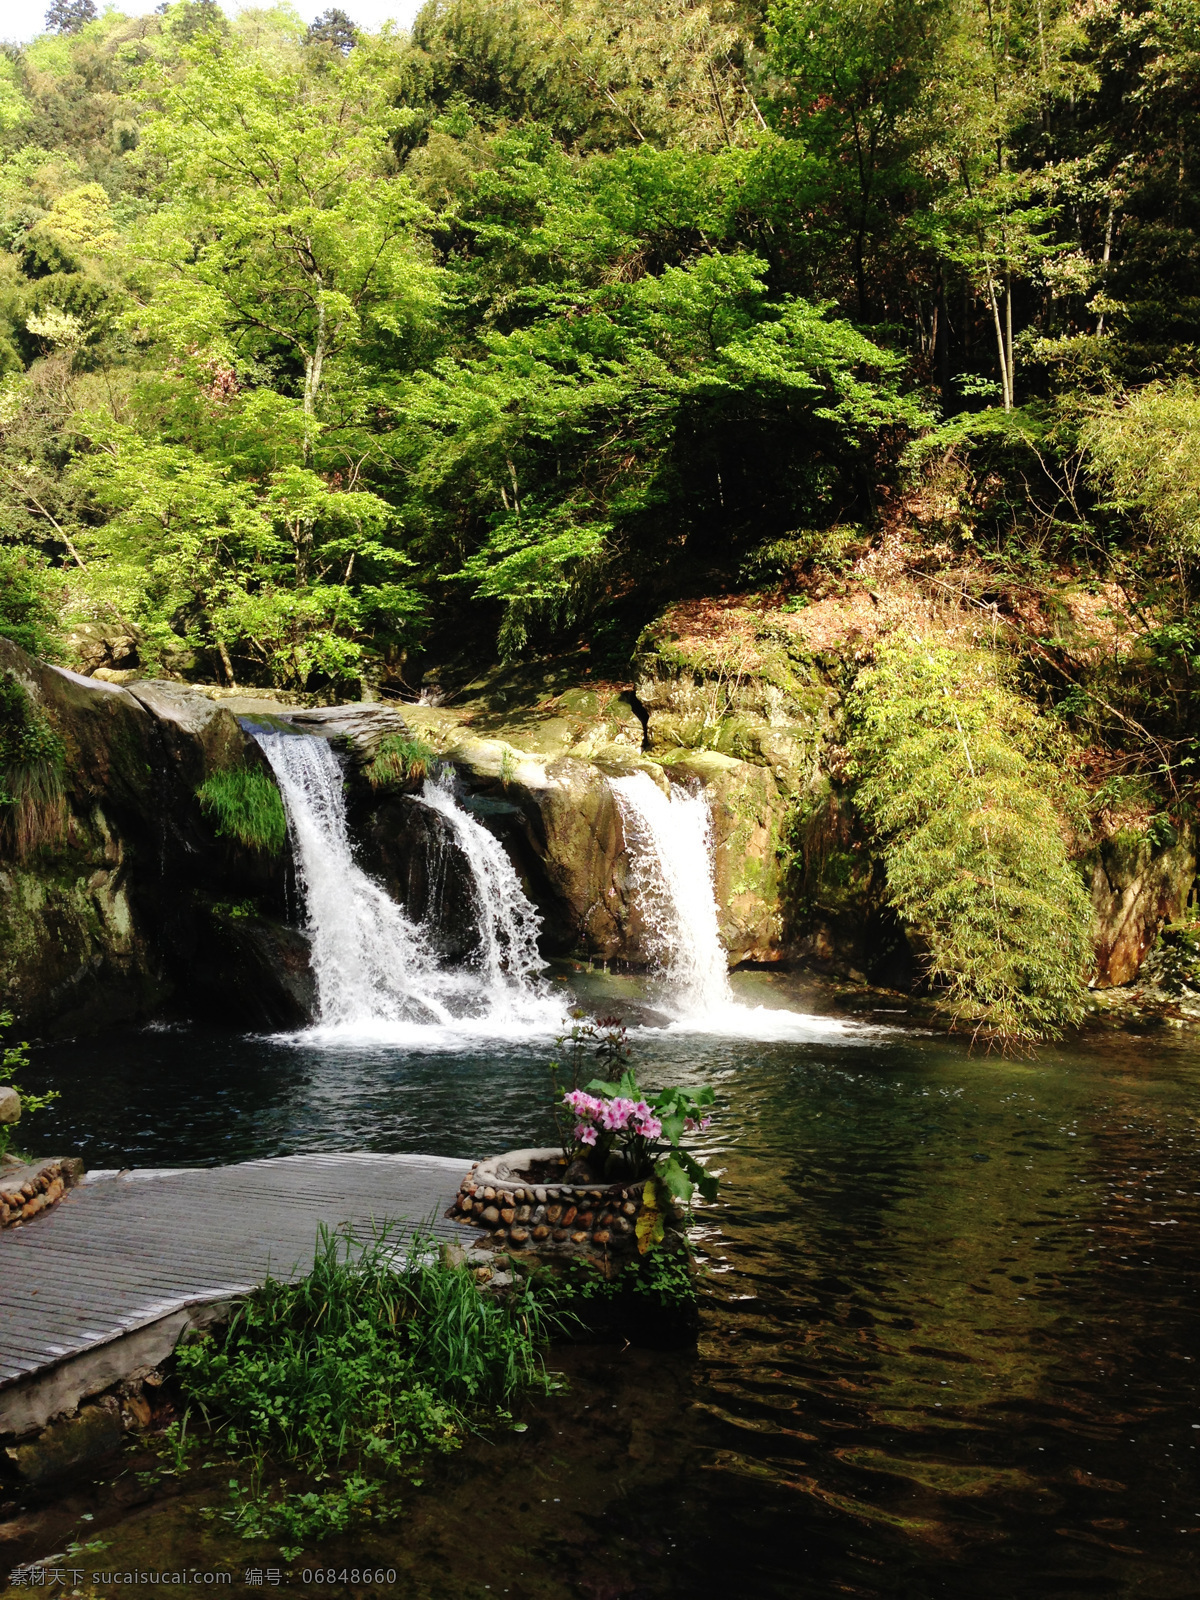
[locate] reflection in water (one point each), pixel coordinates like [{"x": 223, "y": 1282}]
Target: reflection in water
[{"x": 949, "y": 1335}]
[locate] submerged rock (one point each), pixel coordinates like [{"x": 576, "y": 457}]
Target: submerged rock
[{"x": 94, "y": 1431}]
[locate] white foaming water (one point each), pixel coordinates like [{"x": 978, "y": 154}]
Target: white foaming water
[
  {"x": 669, "y": 838},
  {"x": 670, "y": 856},
  {"x": 376, "y": 971},
  {"x": 509, "y": 959}
]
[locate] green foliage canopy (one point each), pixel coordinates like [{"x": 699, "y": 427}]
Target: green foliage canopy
[{"x": 321, "y": 342}]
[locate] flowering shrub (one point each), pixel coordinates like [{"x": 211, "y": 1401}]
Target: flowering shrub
[
  {"x": 643, "y": 1131},
  {"x": 618, "y": 1128}
]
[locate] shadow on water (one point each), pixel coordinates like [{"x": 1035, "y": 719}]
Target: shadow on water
[{"x": 949, "y": 1339}]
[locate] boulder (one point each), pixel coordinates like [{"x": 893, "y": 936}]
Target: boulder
[
  {"x": 1136, "y": 888},
  {"x": 198, "y": 734},
  {"x": 110, "y": 920},
  {"x": 75, "y": 946},
  {"x": 410, "y": 849}
]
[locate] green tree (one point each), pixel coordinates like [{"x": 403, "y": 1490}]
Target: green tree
[
  {"x": 68, "y": 16},
  {"x": 599, "y": 75},
  {"x": 628, "y": 421},
  {"x": 855, "y": 79},
  {"x": 198, "y": 556},
  {"x": 334, "y": 29},
  {"x": 288, "y": 239}
]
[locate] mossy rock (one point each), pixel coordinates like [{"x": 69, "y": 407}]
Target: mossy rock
[
  {"x": 103, "y": 925},
  {"x": 1136, "y": 887}
]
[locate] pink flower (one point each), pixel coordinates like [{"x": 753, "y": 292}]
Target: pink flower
[
  {"x": 582, "y": 1104},
  {"x": 704, "y": 1123},
  {"x": 690, "y": 1125},
  {"x": 649, "y": 1127},
  {"x": 641, "y": 1111},
  {"x": 616, "y": 1114},
  {"x": 585, "y": 1133}
]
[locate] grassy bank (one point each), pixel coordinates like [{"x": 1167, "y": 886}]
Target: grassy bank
[{"x": 331, "y": 1391}]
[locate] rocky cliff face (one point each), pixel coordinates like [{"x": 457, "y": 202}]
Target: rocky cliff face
[
  {"x": 139, "y": 905},
  {"x": 551, "y": 808},
  {"x": 1137, "y": 887},
  {"x": 136, "y": 904},
  {"x": 549, "y": 801}
]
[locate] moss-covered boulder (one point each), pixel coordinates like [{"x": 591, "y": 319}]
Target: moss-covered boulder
[
  {"x": 106, "y": 899},
  {"x": 733, "y": 678}
]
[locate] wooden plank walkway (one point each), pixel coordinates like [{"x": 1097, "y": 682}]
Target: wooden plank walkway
[{"x": 123, "y": 1251}]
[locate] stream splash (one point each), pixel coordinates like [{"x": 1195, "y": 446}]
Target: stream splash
[{"x": 377, "y": 972}]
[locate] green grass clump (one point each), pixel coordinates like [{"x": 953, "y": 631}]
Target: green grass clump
[
  {"x": 33, "y": 761},
  {"x": 358, "y": 1370},
  {"x": 246, "y": 805},
  {"x": 399, "y": 759},
  {"x": 957, "y": 781}
]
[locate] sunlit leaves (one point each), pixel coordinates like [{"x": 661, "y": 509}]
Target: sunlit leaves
[
  {"x": 1146, "y": 448},
  {"x": 952, "y": 776},
  {"x": 287, "y": 235}
]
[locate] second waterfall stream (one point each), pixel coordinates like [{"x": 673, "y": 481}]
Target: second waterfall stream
[
  {"x": 669, "y": 840},
  {"x": 375, "y": 968},
  {"x": 668, "y": 837}
]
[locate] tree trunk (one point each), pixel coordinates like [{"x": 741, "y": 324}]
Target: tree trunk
[
  {"x": 1008, "y": 339},
  {"x": 860, "y": 275},
  {"x": 226, "y": 663},
  {"x": 312, "y": 374},
  {"x": 1107, "y": 256},
  {"x": 941, "y": 343},
  {"x": 994, "y": 303}
]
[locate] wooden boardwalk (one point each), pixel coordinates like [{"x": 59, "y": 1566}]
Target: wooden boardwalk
[{"x": 125, "y": 1251}]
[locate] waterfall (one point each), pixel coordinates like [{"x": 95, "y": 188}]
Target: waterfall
[
  {"x": 372, "y": 963},
  {"x": 671, "y": 875},
  {"x": 669, "y": 839},
  {"x": 508, "y": 959}
]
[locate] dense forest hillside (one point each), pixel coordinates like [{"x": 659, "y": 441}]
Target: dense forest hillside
[{"x": 862, "y": 336}]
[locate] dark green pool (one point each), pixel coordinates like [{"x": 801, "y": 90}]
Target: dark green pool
[{"x": 950, "y": 1327}]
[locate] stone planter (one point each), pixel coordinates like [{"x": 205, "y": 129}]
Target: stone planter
[
  {"x": 519, "y": 1202},
  {"x": 26, "y": 1190}
]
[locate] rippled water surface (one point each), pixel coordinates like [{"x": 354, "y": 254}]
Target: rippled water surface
[{"x": 949, "y": 1340}]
